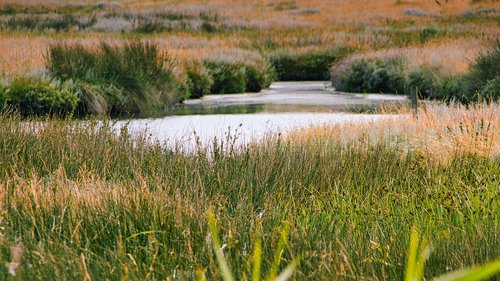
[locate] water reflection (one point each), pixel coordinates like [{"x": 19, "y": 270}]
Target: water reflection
[{"x": 249, "y": 117}]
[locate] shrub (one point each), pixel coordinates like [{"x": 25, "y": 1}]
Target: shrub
[
  {"x": 199, "y": 79},
  {"x": 141, "y": 71},
  {"x": 39, "y": 97},
  {"x": 96, "y": 99},
  {"x": 369, "y": 76},
  {"x": 228, "y": 77},
  {"x": 3, "y": 96},
  {"x": 491, "y": 90},
  {"x": 486, "y": 66},
  {"x": 308, "y": 66},
  {"x": 484, "y": 75},
  {"x": 421, "y": 81},
  {"x": 259, "y": 75},
  {"x": 239, "y": 77}
]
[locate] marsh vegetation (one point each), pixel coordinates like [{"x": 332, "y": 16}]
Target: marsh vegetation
[{"x": 86, "y": 197}]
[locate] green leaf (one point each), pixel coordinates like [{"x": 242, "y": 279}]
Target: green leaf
[
  {"x": 257, "y": 258},
  {"x": 472, "y": 274},
  {"x": 288, "y": 272},
  {"x": 226, "y": 272},
  {"x": 279, "y": 251}
]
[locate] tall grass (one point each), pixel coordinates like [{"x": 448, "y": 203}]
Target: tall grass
[
  {"x": 83, "y": 201},
  {"x": 143, "y": 75}
]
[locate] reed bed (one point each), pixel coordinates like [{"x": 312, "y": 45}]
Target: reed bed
[{"x": 83, "y": 202}]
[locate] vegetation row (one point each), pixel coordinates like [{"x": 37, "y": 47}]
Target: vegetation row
[
  {"x": 139, "y": 79},
  {"x": 390, "y": 75}
]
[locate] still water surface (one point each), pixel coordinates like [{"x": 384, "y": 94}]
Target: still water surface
[{"x": 249, "y": 117}]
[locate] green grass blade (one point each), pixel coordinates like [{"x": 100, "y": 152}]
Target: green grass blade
[
  {"x": 411, "y": 264},
  {"x": 257, "y": 259},
  {"x": 288, "y": 272},
  {"x": 423, "y": 254},
  {"x": 200, "y": 275},
  {"x": 472, "y": 274},
  {"x": 226, "y": 272},
  {"x": 279, "y": 251}
]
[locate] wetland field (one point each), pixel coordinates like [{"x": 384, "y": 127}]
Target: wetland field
[{"x": 250, "y": 140}]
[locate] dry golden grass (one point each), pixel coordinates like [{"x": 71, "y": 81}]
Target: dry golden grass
[
  {"x": 329, "y": 11},
  {"x": 300, "y": 26},
  {"x": 452, "y": 55},
  {"x": 438, "y": 133}
]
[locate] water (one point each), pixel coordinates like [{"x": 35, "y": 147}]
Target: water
[{"x": 248, "y": 117}]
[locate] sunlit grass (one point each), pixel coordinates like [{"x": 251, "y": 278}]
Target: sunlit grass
[{"x": 83, "y": 201}]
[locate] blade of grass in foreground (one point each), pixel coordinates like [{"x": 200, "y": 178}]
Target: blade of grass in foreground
[
  {"x": 279, "y": 251},
  {"x": 257, "y": 258},
  {"x": 226, "y": 272},
  {"x": 472, "y": 274},
  {"x": 418, "y": 252}
]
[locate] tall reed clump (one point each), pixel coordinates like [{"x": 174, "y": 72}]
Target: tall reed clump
[
  {"x": 88, "y": 201},
  {"x": 131, "y": 78}
]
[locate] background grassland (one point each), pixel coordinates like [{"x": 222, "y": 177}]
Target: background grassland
[
  {"x": 200, "y": 30},
  {"x": 80, "y": 200},
  {"x": 222, "y": 47}
]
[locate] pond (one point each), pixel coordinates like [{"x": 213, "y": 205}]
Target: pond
[{"x": 248, "y": 117}]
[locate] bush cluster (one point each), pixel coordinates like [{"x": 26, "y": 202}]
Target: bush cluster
[
  {"x": 199, "y": 79},
  {"x": 308, "y": 66},
  {"x": 35, "y": 97},
  {"x": 239, "y": 77},
  {"x": 133, "y": 78},
  {"x": 372, "y": 76},
  {"x": 388, "y": 76}
]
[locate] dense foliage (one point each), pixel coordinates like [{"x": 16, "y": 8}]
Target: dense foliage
[
  {"x": 388, "y": 76},
  {"x": 306, "y": 66},
  {"x": 38, "y": 97},
  {"x": 143, "y": 75}
]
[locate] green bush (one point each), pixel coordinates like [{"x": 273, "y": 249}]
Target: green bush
[
  {"x": 370, "y": 76},
  {"x": 239, "y": 77},
  {"x": 308, "y": 66},
  {"x": 491, "y": 90},
  {"x": 486, "y": 67},
  {"x": 482, "y": 80},
  {"x": 97, "y": 99},
  {"x": 421, "y": 81},
  {"x": 141, "y": 71},
  {"x": 39, "y": 97},
  {"x": 228, "y": 77},
  {"x": 199, "y": 79},
  {"x": 3, "y": 96},
  {"x": 481, "y": 83},
  {"x": 259, "y": 75}
]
